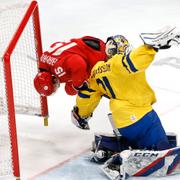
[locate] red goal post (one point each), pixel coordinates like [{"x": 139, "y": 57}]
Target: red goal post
[{"x": 20, "y": 50}]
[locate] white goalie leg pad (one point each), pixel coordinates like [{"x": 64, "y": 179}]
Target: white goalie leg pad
[
  {"x": 143, "y": 163},
  {"x": 151, "y": 163},
  {"x": 166, "y": 36}
]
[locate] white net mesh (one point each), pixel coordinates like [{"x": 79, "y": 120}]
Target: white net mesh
[{"x": 23, "y": 69}]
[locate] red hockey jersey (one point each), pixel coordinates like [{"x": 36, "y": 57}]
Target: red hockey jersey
[{"x": 72, "y": 61}]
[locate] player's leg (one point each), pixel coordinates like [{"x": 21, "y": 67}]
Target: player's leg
[
  {"x": 147, "y": 133},
  {"x": 155, "y": 137},
  {"x": 106, "y": 145}
]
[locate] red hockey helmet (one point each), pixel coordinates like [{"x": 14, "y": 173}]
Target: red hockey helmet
[{"x": 45, "y": 83}]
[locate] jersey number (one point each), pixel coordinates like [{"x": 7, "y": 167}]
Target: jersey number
[
  {"x": 106, "y": 85},
  {"x": 58, "y": 48},
  {"x": 59, "y": 71}
]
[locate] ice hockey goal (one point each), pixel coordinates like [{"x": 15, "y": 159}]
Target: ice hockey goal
[{"x": 20, "y": 49}]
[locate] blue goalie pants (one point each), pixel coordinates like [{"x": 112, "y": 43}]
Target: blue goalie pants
[{"x": 147, "y": 133}]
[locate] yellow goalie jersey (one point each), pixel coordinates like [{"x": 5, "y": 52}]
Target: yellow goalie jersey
[{"x": 122, "y": 79}]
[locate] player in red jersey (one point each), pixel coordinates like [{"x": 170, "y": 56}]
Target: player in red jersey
[{"x": 70, "y": 63}]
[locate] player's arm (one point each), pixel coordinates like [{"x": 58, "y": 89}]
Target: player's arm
[
  {"x": 77, "y": 68},
  {"x": 86, "y": 102},
  {"x": 71, "y": 90},
  {"x": 139, "y": 59},
  {"x": 134, "y": 62}
]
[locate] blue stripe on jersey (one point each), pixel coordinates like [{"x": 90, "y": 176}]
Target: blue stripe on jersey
[
  {"x": 106, "y": 96},
  {"x": 131, "y": 65},
  {"x": 82, "y": 95},
  {"x": 90, "y": 90},
  {"x": 124, "y": 64},
  {"x": 106, "y": 81},
  {"x": 99, "y": 81}
]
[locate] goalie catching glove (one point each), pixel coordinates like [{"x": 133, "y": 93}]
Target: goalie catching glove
[
  {"x": 162, "y": 39},
  {"x": 79, "y": 122}
]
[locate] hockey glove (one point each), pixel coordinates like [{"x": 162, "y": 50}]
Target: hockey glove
[
  {"x": 70, "y": 90},
  {"x": 162, "y": 39},
  {"x": 84, "y": 86},
  {"x": 79, "y": 122}
]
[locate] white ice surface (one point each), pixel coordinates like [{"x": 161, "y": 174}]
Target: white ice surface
[{"x": 44, "y": 147}]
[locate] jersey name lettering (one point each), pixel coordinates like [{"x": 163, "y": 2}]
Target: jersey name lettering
[
  {"x": 101, "y": 69},
  {"x": 48, "y": 59}
]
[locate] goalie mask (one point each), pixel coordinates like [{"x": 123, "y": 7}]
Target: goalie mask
[
  {"x": 45, "y": 83},
  {"x": 116, "y": 45}
]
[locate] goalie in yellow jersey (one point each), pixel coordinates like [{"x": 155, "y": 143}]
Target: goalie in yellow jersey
[{"x": 122, "y": 79}]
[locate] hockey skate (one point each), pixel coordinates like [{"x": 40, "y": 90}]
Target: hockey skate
[
  {"x": 105, "y": 146},
  {"x": 113, "y": 168}
]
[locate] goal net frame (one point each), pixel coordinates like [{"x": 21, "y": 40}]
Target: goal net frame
[{"x": 32, "y": 12}]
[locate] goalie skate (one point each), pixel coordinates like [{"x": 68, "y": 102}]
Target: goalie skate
[
  {"x": 106, "y": 145},
  {"x": 113, "y": 168},
  {"x": 112, "y": 174}
]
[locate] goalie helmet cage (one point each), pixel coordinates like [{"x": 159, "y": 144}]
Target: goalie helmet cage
[{"x": 20, "y": 49}]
